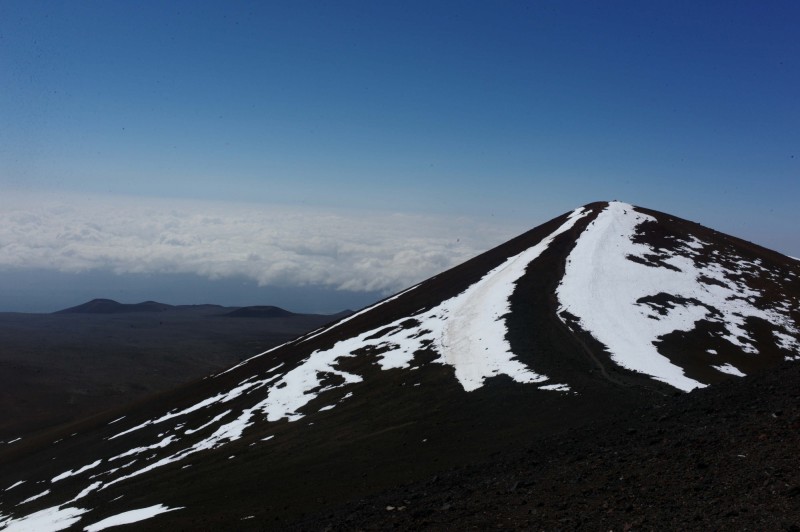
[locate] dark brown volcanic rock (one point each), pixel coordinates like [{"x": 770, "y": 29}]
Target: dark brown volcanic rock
[
  {"x": 383, "y": 409},
  {"x": 722, "y": 458}
]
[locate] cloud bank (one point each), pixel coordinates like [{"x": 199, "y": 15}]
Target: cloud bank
[{"x": 273, "y": 245}]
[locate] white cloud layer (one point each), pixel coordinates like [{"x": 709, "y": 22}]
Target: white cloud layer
[{"x": 271, "y": 244}]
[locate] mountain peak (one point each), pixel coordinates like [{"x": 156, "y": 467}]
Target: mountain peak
[{"x": 600, "y": 310}]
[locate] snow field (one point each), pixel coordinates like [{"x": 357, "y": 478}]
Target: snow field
[{"x": 602, "y": 287}]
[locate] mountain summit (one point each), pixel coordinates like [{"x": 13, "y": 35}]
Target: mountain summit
[{"x": 595, "y": 313}]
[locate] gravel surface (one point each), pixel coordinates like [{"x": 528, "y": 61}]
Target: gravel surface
[{"x": 722, "y": 458}]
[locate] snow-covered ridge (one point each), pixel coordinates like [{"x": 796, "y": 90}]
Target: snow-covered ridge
[{"x": 608, "y": 274}]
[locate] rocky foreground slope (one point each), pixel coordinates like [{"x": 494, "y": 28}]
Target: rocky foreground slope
[{"x": 721, "y": 458}]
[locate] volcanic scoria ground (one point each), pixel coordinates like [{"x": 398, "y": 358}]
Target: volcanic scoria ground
[{"x": 719, "y": 458}]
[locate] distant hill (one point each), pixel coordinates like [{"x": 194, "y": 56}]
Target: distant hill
[
  {"x": 260, "y": 311},
  {"x": 109, "y": 306}
]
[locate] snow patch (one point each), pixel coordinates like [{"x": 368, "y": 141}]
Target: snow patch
[
  {"x": 62, "y": 476},
  {"x": 214, "y": 420},
  {"x": 555, "y": 387},
  {"x": 787, "y": 342},
  {"x": 219, "y": 398},
  {"x": 729, "y": 369},
  {"x": 314, "y": 334},
  {"x": 47, "y": 520},
  {"x": 86, "y": 491},
  {"x": 14, "y": 485},
  {"x": 607, "y": 274},
  {"x": 131, "y": 516},
  {"x": 163, "y": 443},
  {"x": 33, "y": 498}
]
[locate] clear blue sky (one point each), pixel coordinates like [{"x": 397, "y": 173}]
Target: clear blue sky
[{"x": 521, "y": 110}]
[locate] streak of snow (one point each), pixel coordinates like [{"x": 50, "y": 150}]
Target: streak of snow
[
  {"x": 62, "y": 476},
  {"x": 214, "y": 420},
  {"x": 556, "y": 387},
  {"x": 163, "y": 443},
  {"x": 131, "y": 516},
  {"x": 47, "y": 520},
  {"x": 219, "y": 398},
  {"x": 314, "y": 334},
  {"x": 86, "y": 491},
  {"x": 34, "y": 497},
  {"x": 247, "y": 361},
  {"x": 14, "y": 485},
  {"x": 228, "y": 432}
]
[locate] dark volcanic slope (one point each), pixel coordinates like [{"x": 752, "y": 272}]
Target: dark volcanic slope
[
  {"x": 723, "y": 458},
  {"x": 580, "y": 322}
]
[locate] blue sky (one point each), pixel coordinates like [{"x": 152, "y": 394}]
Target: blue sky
[{"x": 504, "y": 113}]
